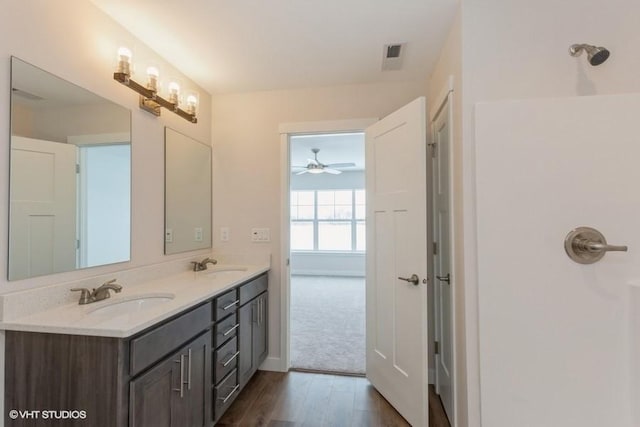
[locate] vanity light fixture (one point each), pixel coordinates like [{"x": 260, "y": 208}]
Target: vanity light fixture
[{"x": 150, "y": 100}]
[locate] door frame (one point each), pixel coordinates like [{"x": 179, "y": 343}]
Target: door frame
[
  {"x": 287, "y": 130},
  {"x": 444, "y": 99}
]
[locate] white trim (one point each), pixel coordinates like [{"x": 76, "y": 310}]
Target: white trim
[
  {"x": 353, "y": 125},
  {"x": 273, "y": 364},
  {"x": 440, "y": 100},
  {"x": 287, "y": 129},
  {"x": 100, "y": 138}
]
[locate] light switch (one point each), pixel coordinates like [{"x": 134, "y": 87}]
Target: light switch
[
  {"x": 168, "y": 235},
  {"x": 224, "y": 234},
  {"x": 197, "y": 234}
]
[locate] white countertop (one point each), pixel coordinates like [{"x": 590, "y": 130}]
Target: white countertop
[{"x": 188, "y": 288}]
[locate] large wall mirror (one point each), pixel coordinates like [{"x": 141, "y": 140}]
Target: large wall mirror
[
  {"x": 187, "y": 193},
  {"x": 70, "y": 183}
]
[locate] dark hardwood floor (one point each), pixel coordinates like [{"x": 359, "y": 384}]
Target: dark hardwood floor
[{"x": 278, "y": 399}]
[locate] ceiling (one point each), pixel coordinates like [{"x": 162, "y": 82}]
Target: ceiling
[
  {"x": 334, "y": 148},
  {"x": 250, "y": 45}
]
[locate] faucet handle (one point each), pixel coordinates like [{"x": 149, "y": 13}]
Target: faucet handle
[
  {"x": 85, "y": 296},
  {"x": 109, "y": 282}
]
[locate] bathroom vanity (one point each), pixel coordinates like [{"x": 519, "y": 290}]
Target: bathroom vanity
[{"x": 180, "y": 363}]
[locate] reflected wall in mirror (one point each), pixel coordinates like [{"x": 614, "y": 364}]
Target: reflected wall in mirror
[
  {"x": 70, "y": 180},
  {"x": 187, "y": 198}
]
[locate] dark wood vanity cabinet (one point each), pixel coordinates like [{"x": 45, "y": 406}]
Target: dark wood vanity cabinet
[{"x": 184, "y": 371}]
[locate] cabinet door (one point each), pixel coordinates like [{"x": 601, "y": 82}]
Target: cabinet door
[
  {"x": 175, "y": 392},
  {"x": 152, "y": 400},
  {"x": 260, "y": 331},
  {"x": 245, "y": 360},
  {"x": 197, "y": 388}
]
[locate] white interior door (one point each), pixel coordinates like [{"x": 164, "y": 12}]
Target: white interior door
[
  {"x": 42, "y": 235},
  {"x": 397, "y": 247},
  {"x": 442, "y": 258},
  {"x": 558, "y": 339}
]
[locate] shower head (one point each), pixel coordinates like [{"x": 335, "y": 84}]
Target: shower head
[{"x": 595, "y": 55}]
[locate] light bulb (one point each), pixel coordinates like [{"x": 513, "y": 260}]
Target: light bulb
[
  {"x": 124, "y": 60},
  {"x": 153, "y": 74},
  {"x": 192, "y": 103},
  {"x": 174, "y": 91}
]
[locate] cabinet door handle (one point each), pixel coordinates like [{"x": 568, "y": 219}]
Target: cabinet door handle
[
  {"x": 224, "y": 399},
  {"x": 233, "y": 328},
  {"x": 225, "y": 364},
  {"x": 227, "y": 307},
  {"x": 189, "y": 373},
  {"x": 181, "y": 389}
]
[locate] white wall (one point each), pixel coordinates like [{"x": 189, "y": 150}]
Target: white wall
[
  {"x": 519, "y": 50},
  {"x": 77, "y": 42},
  {"x": 247, "y": 169}
]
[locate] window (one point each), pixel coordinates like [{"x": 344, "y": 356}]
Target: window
[{"x": 328, "y": 220}]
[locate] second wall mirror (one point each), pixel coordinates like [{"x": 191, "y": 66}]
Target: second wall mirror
[{"x": 187, "y": 193}]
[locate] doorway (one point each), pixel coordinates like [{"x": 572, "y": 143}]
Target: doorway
[{"x": 327, "y": 252}]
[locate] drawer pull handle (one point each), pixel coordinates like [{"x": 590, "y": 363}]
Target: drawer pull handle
[
  {"x": 181, "y": 389},
  {"x": 233, "y": 328},
  {"x": 225, "y": 364},
  {"x": 236, "y": 302},
  {"x": 224, "y": 399}
]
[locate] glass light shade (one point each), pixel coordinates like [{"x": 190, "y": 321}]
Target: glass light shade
[
  {"x": 124, "y": 60},
  {"x": 318, "y": 170},
  {"x": 153, "y": 74},
  {"x": 192, "y": 103},
  {"x": 174, "y": 92}
]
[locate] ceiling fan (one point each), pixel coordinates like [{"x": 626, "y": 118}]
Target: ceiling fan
[{"x": 315, "y": 166}]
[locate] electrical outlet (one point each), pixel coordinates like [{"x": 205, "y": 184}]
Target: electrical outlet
[
  {"x": 260, "y": 235},
  {"x": 168, "y": 235},
  {"x": 224, "y": 234},
  {"x": 197, "y": 234}
]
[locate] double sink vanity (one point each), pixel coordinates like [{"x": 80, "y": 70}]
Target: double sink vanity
[{"x": 174, "y": 350}]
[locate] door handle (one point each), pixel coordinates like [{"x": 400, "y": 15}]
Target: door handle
[
  {"x": 189, "y": 372},
  {"x": 446, "y": 278},
  {"x": 586, "y": 245},
  {"x": 413, "y": 279}
]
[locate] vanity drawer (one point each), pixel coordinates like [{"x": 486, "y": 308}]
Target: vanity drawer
[
  {"x": 252, "y": 289},
  {"x": 226, "y": 304},
  {"x": 225, "y": 359},
  {"x": 225, "y": 329},
  {"x": 154, "y": 345},
  {"x": 225, "y": 393}
]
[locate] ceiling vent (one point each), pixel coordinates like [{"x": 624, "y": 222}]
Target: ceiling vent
[{"x": 392, "y": 55}]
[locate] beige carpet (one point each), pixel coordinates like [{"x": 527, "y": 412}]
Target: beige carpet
[{"x": 328, "y": 323}]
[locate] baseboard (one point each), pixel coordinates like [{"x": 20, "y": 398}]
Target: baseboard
[
  {"x": 432, "y": 376},
  {"x": 274, "y": 364}
]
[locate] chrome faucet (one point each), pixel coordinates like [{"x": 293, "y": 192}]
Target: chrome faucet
[
  {"x": 202, "y": 265},
  {"x": 88, "y": 296}
]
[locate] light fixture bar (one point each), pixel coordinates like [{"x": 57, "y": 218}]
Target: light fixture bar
[{"x": 150, "y": 101}]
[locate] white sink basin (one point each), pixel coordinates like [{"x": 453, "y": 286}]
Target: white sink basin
[
  {"x": 130, "y": 305},
  {"x": 223, "y": 271}
]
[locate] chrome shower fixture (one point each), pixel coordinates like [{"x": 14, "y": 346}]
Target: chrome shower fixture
[{"x": 595, "y": 55}]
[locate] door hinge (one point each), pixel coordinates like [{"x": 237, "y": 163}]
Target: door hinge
[
  {"x": 435, "y": 248},
  {"x": 77, "y": 243},
  {"x": 437, "y": 347},
  {"x": 77, "y": 167},
  {"x": 433, "y": 147}
]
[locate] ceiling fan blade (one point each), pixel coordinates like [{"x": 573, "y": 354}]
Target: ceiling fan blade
[
  {"x": 341, "y": 165},
  {"x": 332, "y": 171},
  {"x": 304, "y": 171}
]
